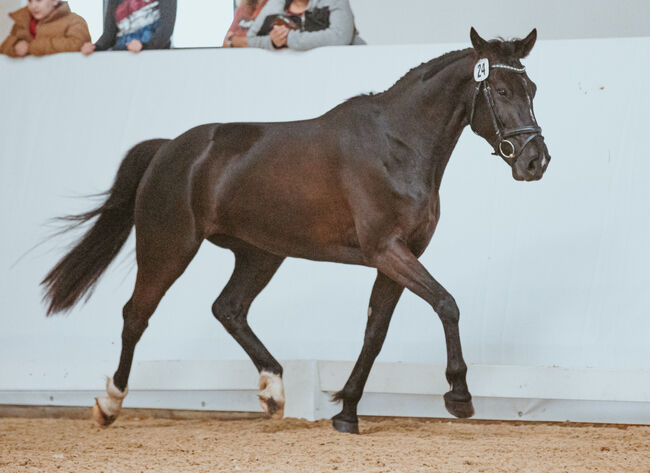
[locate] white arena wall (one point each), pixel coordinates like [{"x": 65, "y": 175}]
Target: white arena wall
[
  {"x": 426, "y": 21},
  {"x": 551, "y": 277}
]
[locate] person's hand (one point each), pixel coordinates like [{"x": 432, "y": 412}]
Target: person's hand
[
  {"x": 279, "y": 35},
  {"x": 135, "y": 46},
  {"x": 21, "y": 48},
  {"x": 87, "y": 49},
  {"x": 239, "y": 42},
  {"x": 227, "y": 42}
]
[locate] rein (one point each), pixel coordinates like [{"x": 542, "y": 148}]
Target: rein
[{"x": 481, "y": 73}]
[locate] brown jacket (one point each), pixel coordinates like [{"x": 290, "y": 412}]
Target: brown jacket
[{"x": 59, "y": 32}]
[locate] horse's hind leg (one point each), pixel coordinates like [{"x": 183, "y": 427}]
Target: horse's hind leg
[
  {"x": 385, "y": 294},
  {"x": 254, "y": 268},
  {"x": 158, "y": 268}
]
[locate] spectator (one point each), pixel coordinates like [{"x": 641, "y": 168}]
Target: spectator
[
  {"x": 245, "y": 14},
  {"x": 135, "y": 25},
  {"x": 45, "y": 27},
  {"x": 319, "y": 23}
]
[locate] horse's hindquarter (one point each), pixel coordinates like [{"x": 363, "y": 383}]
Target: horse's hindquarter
[{"x": 282, "y": 193}]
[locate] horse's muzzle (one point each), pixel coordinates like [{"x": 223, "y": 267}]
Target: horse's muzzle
[{"x": 531, "y": 166}]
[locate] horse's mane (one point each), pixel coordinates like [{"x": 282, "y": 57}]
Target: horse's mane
[
  {"x": 433, "y": 67},
  {"x": 428, "y": 70},
  {"x": 438, "y": 64}
]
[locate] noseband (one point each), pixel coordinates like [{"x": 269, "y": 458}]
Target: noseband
[{"x": 502, "y": 133}]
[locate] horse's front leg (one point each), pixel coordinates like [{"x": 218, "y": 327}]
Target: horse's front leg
[
  {"x": 401, "y": 265},
  {"x": 385, "y": 294}
]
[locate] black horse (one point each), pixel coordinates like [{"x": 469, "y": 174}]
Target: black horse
[{"x": 358, "y": 185}]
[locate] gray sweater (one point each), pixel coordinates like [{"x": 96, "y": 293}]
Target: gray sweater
[{"x": 340, "y": 32}]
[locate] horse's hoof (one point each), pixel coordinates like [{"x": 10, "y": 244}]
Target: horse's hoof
[
  {"x": 345, "y": 427},
  {"x": 271, "y": 394},
  {"x": 272, "y": 407},
  {"x": 104, "y": 420},
  {"x": 460, "y": 409}
]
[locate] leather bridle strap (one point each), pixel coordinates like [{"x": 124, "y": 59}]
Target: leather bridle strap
[{"x": 503, "y": 133}]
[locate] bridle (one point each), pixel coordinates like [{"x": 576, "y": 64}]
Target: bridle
[{"x": 503, "y": 133}]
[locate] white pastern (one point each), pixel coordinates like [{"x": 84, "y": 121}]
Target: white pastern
[
  {"x": 271, "y": 393},
  {"x": 111, "y": 405}
]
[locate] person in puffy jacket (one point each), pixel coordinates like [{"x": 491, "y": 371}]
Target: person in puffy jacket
[{"x": 45, "y": 27}]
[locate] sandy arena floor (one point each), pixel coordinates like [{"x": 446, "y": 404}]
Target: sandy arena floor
[{"x": 136, "y": 444}]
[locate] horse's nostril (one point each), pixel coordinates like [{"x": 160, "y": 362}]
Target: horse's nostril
[{"x": 533, "y": 164}]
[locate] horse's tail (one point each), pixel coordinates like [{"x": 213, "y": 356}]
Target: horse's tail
[{"x": 77, "y": 272}]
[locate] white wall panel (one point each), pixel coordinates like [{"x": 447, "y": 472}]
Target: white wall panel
[
  {"x": 424, "y": 21},
  {"x": 546, "y": 274},
  {"x": 6, "y": 23}
]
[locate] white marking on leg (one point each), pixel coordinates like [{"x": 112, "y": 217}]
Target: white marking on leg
[
  {"x": 111, "y": 405},
  {"x": 271, "y": 393},
  {"x": 369, "y": 311}
]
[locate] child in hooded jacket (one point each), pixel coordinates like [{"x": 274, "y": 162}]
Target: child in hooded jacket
[{"x": 45, "y": 27}]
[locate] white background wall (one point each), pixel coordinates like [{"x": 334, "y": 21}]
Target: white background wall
[
  {"x": 204, "y": 22},
  {"x": 5, "y": 22},
  {"x": 547, "y": 274},
  {"x": 426, "y": 21}
]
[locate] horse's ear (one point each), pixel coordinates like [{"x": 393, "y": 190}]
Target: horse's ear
[
  {"x": 478, "y": 42},
  {"x": 523, "y": 46}
]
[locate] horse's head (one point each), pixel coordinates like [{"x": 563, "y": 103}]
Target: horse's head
[{"x": 502, "y": 105}]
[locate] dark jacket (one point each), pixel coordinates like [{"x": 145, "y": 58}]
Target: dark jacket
[{"x": 161, "y": 37}]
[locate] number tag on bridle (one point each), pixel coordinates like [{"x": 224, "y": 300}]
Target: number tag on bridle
[{"x": 481, "y": 70}]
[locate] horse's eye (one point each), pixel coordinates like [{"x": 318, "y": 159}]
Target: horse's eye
[{"x": 502, "y": 92}]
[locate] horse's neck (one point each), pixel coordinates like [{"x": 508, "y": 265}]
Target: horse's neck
[{"x": 431, "y": 115}]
